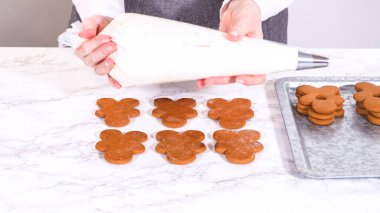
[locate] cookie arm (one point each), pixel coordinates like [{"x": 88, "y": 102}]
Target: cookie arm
[
  {"x": 258, "y": 147},
  {"x": 101, "y": 146},
  {"x": 99, "y": 113},
  {"x": 133, "y": 112},
  {"x": 158, "y": 112},
  {"x": 214, "y": 113},
  {"x": 221, "y": 147},
  {"x": 199, "y": 148},
  {"x": 191, "y": 113},
  {"x": 137, "y": 148},
  {"x": 248, "y": 113},
  {"x": 161, "y": 148}
]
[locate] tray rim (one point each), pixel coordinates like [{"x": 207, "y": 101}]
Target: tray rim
[{"x": 303, "y": 167}]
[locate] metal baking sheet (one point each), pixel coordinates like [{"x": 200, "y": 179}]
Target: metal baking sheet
[{"x": 349, "y": 148}]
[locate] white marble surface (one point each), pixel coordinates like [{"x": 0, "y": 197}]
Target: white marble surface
[{"x": 48, "y": 161}]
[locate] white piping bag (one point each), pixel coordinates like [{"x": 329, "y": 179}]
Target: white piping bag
[{"x": 154, "y": 50}]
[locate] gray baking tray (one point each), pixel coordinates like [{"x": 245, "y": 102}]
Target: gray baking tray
[{"x": 349, "y": 148}]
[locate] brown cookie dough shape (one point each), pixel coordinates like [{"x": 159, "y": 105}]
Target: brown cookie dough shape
[
  {"x": 239, "y": 147},
  {"x": 117, "y": 113},
  {"x": 119, "y": 148},
  {"x": 180, "y": 148},
  {"x": 174, "y": 114},
  {"x": 367, "y": 98},
  {"x": 231, "y": 114},
  {"x": 321, "y": 105}
]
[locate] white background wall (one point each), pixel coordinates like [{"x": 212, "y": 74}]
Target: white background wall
[
  {"x": 313, "y": 23},
  {"x": 335, "y": 23},
  {"x": 32, "y": 22}
]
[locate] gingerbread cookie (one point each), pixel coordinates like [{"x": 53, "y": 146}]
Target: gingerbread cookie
[
  {"x": 180, "y": 148},
  {"x": 119, "y": 148},
  {"x": 368, "y": 96},
  {"x": 117, "y": 113},
  {"x": 174, "y": 114},
  {"x": 238, "y": 147},
  {"x": 322, "y": 105},
  {"x": 231, "y": 114},
  {"x": 368, "y": 101}
]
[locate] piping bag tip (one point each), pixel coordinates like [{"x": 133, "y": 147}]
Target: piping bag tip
[{"x": 311, "y": 61}]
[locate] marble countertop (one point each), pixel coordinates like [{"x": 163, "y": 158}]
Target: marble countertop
[{"x": 48, "y": 132}]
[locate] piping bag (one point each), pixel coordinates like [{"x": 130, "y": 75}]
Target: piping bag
[{"x": 154, "y": 50}]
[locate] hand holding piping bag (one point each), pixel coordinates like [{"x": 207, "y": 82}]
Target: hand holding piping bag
[
  {"x": 95, "y": 51},
  {"x": 240, "y": 18}
]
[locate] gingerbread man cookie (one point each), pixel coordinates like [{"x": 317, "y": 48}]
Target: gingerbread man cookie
[
  {"x": 231, "y": 114},
  {"x": 174, "y": 114},
  {"x": 368, "y": 101},
  {"x": 117, "y": 113},
  {"x": 180, "y": 148},
  {"x": 239, "y": 147},
  {"x": 321, "y": 105},
  {"x": 119, "y": 148}
]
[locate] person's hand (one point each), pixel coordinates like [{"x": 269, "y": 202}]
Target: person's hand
[
  {"x": 241, "y": 18},
  {"x": 95, "y": 51}
]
